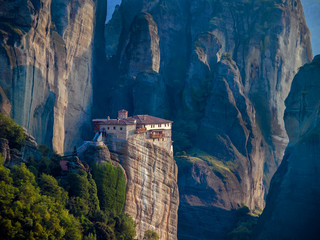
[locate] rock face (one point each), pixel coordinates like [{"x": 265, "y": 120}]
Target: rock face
[
  {"x": 142, "y": 53},
  {"x": 175, "y": 59},
  {"x": 152, "y": 196},
  {"x": 5, "y": 149},
  {"x": 12, "y": 157},
  {"x": 236, "y": 140},
  {"x": 226, "y": 68},
  {"x": 45, "y": 71},
  {"x": 292, "y": 208}
]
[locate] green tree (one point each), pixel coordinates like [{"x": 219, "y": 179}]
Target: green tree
[
  {"x": 78, "y": 206},
  {"x": 48, "y": 164},
  {"x": 94, "y": 204},
  {"x": 150, "y": 235},
  {"x": 26, "y": 214},
  {"x": 49, "y": 186},
  {"x": 11, "y": 131},
  {"x": 125, "y": 227},
  {"x": 79, "y": 184},
  {"x": 103, "y": 231},
  {"x": 83, "y": 192}
]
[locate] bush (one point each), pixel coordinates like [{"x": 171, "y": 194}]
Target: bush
[
  {"x": 103, "y": 231},
  {"x": 49, "y": 186},
  {"x": 150, "y": 235},
  {"x": 244, "y": 226},
  {"x": 11, "y": 131},
  {"x": 83, "y": 192},
  {"x": 27, "y": 214},
  {"x": 125, "y": 227},
  {"x": 41, "y": 210},
  {"x": 111, "y": 187}
]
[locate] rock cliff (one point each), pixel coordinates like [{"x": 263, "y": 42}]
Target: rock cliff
[
  {"x": 236, "y": 141},
  {"x": 152, "y": 196},
  {"x": 220, "y": 69},
  {"x": 47, "y": 53},
  {"x": 226, "y": 68},
  {"x": 12, "y": 156},
  {"x": 45, "y": 73},
  {"x": 292, "y": 208}
]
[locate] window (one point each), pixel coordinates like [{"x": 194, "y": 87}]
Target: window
[
  {"x": 121, "y": 128},
  {"x": 104, "y": 134},
  {"x": 108, "y": 128},
  {"x": 114, "y": 127}
]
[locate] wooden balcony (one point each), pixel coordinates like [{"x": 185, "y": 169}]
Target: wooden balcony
[
  {"x": 141, "y": 130},
  {"x": 155, "y": 135}
]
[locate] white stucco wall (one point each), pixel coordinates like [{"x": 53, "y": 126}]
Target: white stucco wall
[{"x": 156, "y": 126}]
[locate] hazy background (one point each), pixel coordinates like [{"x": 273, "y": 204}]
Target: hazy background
[
  {"x": 110, "y": 8},
  {"x": 311, "y": 9},
  {"x": 312, "y": 13}
]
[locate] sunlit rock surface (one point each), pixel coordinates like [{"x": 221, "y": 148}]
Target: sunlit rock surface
[
  {"x": 45, "y": 71},
  {"x": 152, "y": 196}
]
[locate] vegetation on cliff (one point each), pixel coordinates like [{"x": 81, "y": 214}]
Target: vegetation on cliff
[
  {"x": 37, "y": 201},
  {"x": 11, "y": 131},
  {"x": 245, "y": 224},
  {"x": 28, "y": 213},
  {"x": 111, "y": 187}
]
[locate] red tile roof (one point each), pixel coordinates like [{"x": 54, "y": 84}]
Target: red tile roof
[
  {"x": 64, "y": 165},
  {"x": 140, "y": 120},
  {"x": 146, "y": 119}
]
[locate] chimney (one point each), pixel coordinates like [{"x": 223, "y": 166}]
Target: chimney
[
  {"x": 123, "y": 114},
  {"x": 108, "y": 117}
]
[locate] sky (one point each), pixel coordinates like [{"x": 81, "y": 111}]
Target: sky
[
  {"x": 312, "y": 14},
  {"x": 110, "y": 8}
]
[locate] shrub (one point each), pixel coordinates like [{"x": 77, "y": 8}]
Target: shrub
[
  {"x": 111, "y": 187},
  {"x": 27, "y": 214},
  {"x": 11, "y": 131},
  {"x": 150, "y": 235}
]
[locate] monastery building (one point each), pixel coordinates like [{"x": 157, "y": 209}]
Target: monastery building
[{"x": 144, "y": 127}]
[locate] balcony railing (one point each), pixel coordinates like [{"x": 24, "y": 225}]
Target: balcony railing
[
  {"x": 141, "y": 130},
  {"x": 154, "y": 135}
]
